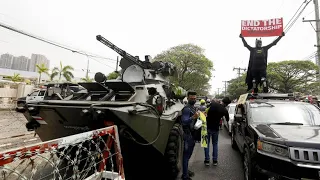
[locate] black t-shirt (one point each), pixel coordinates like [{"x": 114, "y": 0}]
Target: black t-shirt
[
  {"x": 259, "y": 58},
  {"x": 215, "y": 113}
]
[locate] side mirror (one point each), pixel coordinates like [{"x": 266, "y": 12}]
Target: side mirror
[
  {"x": 238, "y": 118},
  {"x": 28, "y": 94}
]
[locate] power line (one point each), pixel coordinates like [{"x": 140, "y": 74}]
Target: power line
[
  {"x": 294, "y": 15},
  {"x": 53, "y": 43},
  {"x": 296, "y": 18},
  {"x": 310, "y": 56},
  {"x": 102, "y": 63}
]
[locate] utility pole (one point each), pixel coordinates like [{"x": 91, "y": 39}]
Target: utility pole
[
  {"x": 317, "y": 29},
  {"x": 225, "y": 88},
  {"x": 218, "y": 91},
  {"x": 117, "y": 63},
  {"x": 87, "y": 73},
  {"x": 239, "y": 69}
]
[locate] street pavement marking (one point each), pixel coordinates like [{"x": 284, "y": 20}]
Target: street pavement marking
[
  {"x": 34, "y": 139},
  {"x": 4, "y": 145}
]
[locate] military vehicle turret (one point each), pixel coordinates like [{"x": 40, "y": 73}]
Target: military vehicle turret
[{"x": 141, "y": 102}]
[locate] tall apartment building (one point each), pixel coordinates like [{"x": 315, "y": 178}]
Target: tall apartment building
[
  {"x": 20, "y": 63},
  {"x": 37, "y": 59},
  {"x": 6, "y": 61}
]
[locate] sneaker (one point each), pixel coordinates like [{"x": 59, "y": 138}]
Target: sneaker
[
  {"x": 207, "y": 163},
  {"x": 215, "y": 163},
  {"x": 190, "y": 173}
]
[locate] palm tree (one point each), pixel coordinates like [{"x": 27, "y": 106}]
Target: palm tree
[
  {"x": 87, "y": 79},
  {"x": 64, "y": 71},
  {"x": 52, "y": 75},
  {"x": 42, "y": 69},
  {"x": 16, "y": 77}
]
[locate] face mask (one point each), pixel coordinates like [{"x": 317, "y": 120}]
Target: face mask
[{"x": 191, "y": 102}]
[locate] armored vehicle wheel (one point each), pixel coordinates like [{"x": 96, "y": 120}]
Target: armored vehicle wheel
[{"x": 174, "y": 151}]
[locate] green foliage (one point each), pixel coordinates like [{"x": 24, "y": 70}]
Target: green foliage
[
  {"x": 283, "y": 77},
  {"x": 87, "y": 79},
  {"x": 291, "y": 76},
  {"x": 193, "y": 67},
  {"x": 113, "y": 75},
  {"x": 64, "y": 71},
  {"x": 311, "y": 88},
  {"x": 41, "y": 69},
  {"x": 16, "y": 77},
  {"x": 237, "y": 86}
]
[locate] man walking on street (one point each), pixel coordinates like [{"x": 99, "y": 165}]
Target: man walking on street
[
  {"x": 215, "y": 113},
  {"x": 188, "y": 119}
]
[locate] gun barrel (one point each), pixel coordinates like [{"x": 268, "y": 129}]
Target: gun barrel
[{"x": 121, "y": 52}]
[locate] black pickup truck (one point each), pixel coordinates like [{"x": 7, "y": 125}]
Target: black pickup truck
[{"x": 278, "y": 138}]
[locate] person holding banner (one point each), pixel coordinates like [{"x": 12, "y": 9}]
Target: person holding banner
[{"x": 257, "y": 67}]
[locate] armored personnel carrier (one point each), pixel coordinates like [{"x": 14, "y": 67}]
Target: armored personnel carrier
[{"x": 141, "y": 102}]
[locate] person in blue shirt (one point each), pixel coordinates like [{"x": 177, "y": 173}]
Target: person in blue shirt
[{"x": 188, "y": 119}]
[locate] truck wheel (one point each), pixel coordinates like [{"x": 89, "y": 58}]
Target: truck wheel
[
  {"x": 174, "y": 151},
  {"x": 247, "y": 165},
  {"x": 233, "y": 141}
]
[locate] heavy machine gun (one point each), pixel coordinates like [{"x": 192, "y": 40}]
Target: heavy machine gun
[{"x": 157, "y": 67}]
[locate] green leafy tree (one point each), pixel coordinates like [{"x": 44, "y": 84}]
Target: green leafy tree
[
  {"x": 193, "y": 67},
  {"x": 290, "y": 76},
  {"x": 283, "y": 77},
  {"x": 220, "y": 96},
  {"x": 64, "y": 71},
  {"x": 113, "y": 75},
  {"x": 237, "y": 87},
  {"x": 87, "y": 79},
  {"x": 15, "y": 78},
  {"x": 42, "y": 69}
]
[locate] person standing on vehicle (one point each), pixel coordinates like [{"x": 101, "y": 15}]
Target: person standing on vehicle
[
  {"x": 215, "y": 113},
  {"x": 258, "y": 61},
  {"x": 188, "y": 119}
]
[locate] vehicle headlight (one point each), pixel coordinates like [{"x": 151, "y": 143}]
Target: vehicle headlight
[{"x": 272, "y": 149}]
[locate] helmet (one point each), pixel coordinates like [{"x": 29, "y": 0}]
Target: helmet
[{"x": 202, "y": 101}]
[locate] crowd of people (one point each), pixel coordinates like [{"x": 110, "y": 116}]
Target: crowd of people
[{"x": 214, "y": 111}]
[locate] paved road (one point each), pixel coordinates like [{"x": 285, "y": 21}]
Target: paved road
[
  {"x": 229, "y": 162},
  {"x": 13, "y": 132}
]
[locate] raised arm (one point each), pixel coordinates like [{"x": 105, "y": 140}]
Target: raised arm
[
  {"x": 275, "y": 41},
  {"x": 245, "y": 43}
]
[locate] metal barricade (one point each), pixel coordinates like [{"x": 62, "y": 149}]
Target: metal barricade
[{"x": 91, "y": 155}]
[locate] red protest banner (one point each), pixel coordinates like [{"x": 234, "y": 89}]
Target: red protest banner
[{"x": 262, "y": 28}]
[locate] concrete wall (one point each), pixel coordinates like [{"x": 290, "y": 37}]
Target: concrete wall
[{"x": 9, "y": 95}]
